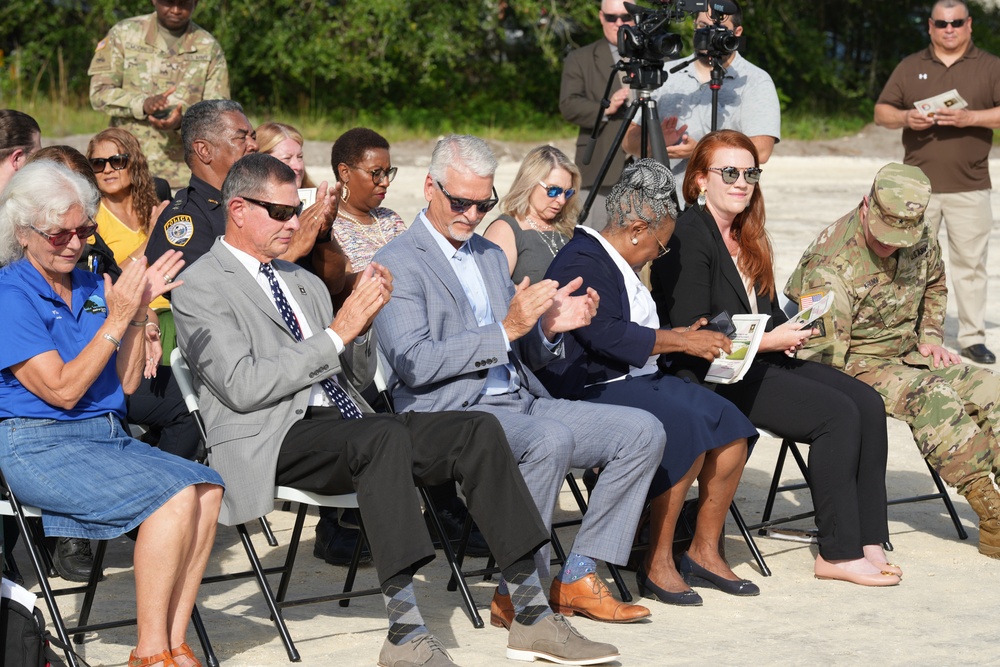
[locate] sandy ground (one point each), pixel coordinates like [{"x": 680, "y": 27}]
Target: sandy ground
[{"x": 942, "y": 614}]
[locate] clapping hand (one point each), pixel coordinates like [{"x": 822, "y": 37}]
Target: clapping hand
[{"x": 569, "y": 312}]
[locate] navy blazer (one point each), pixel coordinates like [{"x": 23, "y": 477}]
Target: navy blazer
[
  {"x": 698, "y": 278},
  {"x": 611, "y": 343}
]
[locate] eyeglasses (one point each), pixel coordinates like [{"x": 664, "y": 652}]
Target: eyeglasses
[
  {"x": 731, "y": 174},
  {"x": 118, "y": 162},
  {"x": 379, "y": 174},
  {"x": 941, "y": 24},
  {"x": 279, "y": 212},
  {"x": 614, "y": 18},
  {"x": 554, "y": 191},
  {"x": 663, "y": 249},
  {"x": 461, "y": 204},
  {"x": 59, "y": 239}
]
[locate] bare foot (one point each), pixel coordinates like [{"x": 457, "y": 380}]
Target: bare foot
[{"x": 857, "y": 566}]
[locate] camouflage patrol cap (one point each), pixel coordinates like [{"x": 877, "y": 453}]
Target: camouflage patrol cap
[{"x": 898, "y": 199}]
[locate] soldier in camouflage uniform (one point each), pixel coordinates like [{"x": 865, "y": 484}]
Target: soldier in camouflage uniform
[
  {"x": 148, "y": 71},
  {"x": 886, "y": 328}
]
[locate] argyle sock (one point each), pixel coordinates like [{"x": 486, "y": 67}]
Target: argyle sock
[
  {"x": 577, "y": 566},
  {"x": 405, "y": 621},
  {"x": 502, "y": 586},
  {"x": 530, "y": 605}
]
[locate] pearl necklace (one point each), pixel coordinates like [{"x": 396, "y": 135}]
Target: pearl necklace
[
  {"x": 550, "y": 241},
  {"x": 366, "y": 228}
]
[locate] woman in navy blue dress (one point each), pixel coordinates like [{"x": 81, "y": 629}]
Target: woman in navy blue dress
[{"x": 613, "y": 360}]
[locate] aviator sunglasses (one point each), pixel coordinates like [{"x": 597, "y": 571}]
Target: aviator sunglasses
[
  {"x": 279, "y": 212},
  {"x": 118, "y": 162},
  {"x": 554, "y": 191},
  {"x": 731, "y": 174},
  {"x": 461, "y": 204},
  {"x": 59, "y": 239},
  {"x": 941, "y": 24}
]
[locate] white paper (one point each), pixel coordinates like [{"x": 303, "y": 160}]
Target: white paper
[{"x": 948, "y": 100}]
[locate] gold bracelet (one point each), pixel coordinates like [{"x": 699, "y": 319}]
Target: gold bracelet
[
  {"x": 114, "y": 341},
  {"x": 139, "y": 323}
]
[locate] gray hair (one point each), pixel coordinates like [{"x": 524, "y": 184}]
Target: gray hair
[
  {"x": 38, "y": 195},
  {"x": 462, "y": 149},
  {"x": 646, "y": 187},
  {"x": 251, "y": 175},
  {"x": 203, "y": 120}
]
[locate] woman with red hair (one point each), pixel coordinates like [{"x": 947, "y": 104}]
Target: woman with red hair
[{"x": 722, "y": 261}]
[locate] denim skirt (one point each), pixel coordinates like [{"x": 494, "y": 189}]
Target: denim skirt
[{"x": 89, "y": 477}]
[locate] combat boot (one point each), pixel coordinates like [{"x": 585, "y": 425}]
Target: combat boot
[{"x": 984, "y": 499}]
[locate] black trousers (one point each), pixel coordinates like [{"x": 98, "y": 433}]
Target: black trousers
[
  {"x": 843, "y": 420},
  {"x": 382, "y": 456},
  {"x": 158, "y": 403}
]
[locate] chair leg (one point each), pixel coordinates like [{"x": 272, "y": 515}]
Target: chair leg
[
  {"x": 265, "y": 589},
  {"x": 460, "y": 554},
  {"x": 265, "y": 528},
  {"x": 742, "y": 526},
  {"x": 293, "y": 549},
  {"x": 959, "y": 528},
  {"x": 88, "y": 596},
  {"x": 352, "y": 569},
  {"x": 206, "y": 644},
  {"x": 456, "y": 571}
]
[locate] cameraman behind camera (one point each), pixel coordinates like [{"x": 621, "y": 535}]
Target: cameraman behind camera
[{"x": 748, "y": 101}]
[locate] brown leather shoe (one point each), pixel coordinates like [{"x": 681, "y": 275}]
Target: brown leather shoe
[
  {"x": 501, "y": 611},
  {"x": 590, "y": 597}
]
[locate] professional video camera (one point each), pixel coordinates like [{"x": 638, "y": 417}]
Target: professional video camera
[{"x": 716, "y": 40}]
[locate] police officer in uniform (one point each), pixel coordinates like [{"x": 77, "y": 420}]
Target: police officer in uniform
[{"x": 886, "y": 328}]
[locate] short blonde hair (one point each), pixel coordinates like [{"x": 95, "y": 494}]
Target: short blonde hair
[
  {"x": 272, "y": 133},
  {"x": 536, "y": 166}
]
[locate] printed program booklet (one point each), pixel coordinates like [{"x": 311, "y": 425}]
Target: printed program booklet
[
  {"x": 814, "y": 306},
  {"x": 730, "y": 368},
  {"x": 949, "y": 100}
]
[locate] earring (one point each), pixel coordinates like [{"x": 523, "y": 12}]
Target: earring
[
  {"x": 635, "y": 241},
  {"x": 345, "y": 193},
  {"x": 701, "y": 198}
]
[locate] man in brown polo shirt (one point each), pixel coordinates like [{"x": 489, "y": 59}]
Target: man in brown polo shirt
[{"x": 952, "y": 147}]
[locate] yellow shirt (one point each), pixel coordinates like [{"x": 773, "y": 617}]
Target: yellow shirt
[{"x": 123, "y": 241}]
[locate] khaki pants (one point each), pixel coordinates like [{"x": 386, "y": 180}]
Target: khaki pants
[{"x": 969, "y": 219}]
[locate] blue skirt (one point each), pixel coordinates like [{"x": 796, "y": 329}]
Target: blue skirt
[
  {"x": 89, "y": 477},
  {"x": 695, "y": 419}
]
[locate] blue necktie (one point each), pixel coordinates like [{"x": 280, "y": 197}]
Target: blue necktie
[{"x": 347, "y": 407}]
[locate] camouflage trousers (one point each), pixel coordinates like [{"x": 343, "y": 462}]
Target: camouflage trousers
[{"x": 952, "y": 412}]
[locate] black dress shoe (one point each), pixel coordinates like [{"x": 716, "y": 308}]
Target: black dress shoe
[
  {"x": 648, "y": 589},
  {"x": 696, "y": 575},
  {"x": 335, "y": 544},
  {"x": 452, "y": 519},
  {"x": 73, "y": 559},
  {"x": 980, "y": 354}
]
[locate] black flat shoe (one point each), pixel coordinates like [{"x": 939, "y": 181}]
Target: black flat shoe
[
  {"x": 980, "y": 354},
  {"x": 648, "y": 589},
  {"x": 696, "y": 575}
]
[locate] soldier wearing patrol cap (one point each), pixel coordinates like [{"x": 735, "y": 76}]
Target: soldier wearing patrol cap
[
  {"x": 148, "y": 70},
  {"x": 885, "y": 328}
]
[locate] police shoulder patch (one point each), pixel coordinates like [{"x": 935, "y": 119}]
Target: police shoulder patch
[{"x": 179, "y": 230}]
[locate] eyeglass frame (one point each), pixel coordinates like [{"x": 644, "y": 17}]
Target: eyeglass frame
[
  {"x": 549, "y": 189},
  {"x": 267, "y": 206},
  {"x": 663, "y": 249},
  {"x": 105, "y": 161},
  {"x": 389, "y": 173},
  {"x": 463, "y": 204},
  {"x": 68, "y": 234},
  {"x": 739, "y": 172},
  {"x": 941, "y": 24}
]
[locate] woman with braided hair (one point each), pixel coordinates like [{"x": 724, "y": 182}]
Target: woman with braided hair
[{"x": 613, "y": 360}]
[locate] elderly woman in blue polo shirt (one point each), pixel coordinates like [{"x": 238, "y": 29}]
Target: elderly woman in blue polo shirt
[{"x": 73, "y": 346}]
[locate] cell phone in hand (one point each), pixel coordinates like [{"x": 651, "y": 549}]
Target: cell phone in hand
[
  {"x": 162, "y": 114},
  {"x": 722, "y": 323}
]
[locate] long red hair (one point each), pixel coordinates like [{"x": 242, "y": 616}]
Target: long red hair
[{"x": 756, "y": 258}]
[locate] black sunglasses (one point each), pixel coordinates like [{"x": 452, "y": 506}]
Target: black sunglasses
[
  {"x": 941, "y": 24},
  {"x": 279, "y": 212},
  {"x": 62, "y": 238},
  {"x": 117, "y": 162},
  {"x": 731, "y": 174},
  {"x": 554, "y": 191},
  {"x": 461, "y": 204},
  {"x": 612, "y": 18},
  {"x": 379, "y": 174}
]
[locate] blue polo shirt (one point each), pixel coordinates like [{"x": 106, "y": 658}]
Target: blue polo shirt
[{"x": 36, "y": 320}]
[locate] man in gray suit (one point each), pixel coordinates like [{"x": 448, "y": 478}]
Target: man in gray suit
[
  {"x": 277, "y": 376},
  {"x": 459, "y": 336},
  {"x": 584, "y": 79}
]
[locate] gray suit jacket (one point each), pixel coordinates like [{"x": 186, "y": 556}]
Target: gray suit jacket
[
  {"x": 584, "y": 76},
  {"x": 428, "y": 332},
  {"x": 253, "y": 379}
]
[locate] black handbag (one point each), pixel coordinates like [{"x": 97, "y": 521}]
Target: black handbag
[{"x": 23, "y": 631}]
